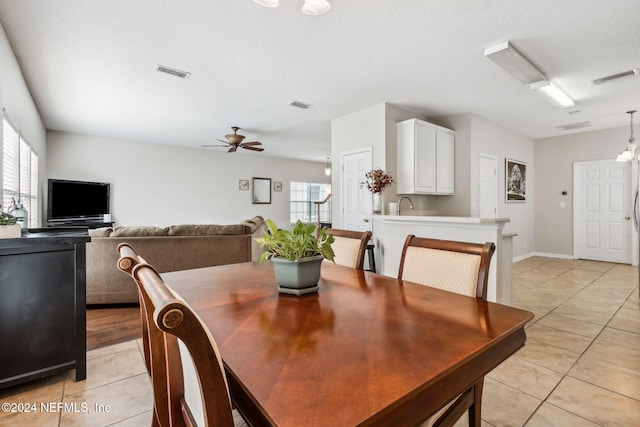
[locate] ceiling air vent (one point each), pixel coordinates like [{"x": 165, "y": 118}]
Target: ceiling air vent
[
  {"x": 173, "y": 72},
  {"x": 299, "y": 104},
  {"x": 633, "y": 72},
  {"x": 574, "y": 126}
]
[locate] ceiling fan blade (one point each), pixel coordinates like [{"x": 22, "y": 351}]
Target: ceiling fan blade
[
  {"x": 252, "y": 143},
  {"x": 232, "y": 149},
  {"x": 214, "y": 145},
  {"x": 226, "y": 142},
  {"x": 253, "y": 148}
]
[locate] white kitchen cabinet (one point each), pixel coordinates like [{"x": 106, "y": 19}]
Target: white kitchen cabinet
[{"x": 425, "y": 158}]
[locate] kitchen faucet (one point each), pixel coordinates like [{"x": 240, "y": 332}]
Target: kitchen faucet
[{"x": 400, "y": 201}]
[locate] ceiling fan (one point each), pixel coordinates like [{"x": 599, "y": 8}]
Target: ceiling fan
[{"x": 233, "y": 141}]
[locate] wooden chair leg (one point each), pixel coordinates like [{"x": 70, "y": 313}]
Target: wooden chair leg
[{"x": 475, "y": 411}]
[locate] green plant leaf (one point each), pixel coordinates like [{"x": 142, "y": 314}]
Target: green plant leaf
[{"x": 298, "y": 243}]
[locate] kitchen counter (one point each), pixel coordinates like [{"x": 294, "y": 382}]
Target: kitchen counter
[
  {"x": 441, "y": 219},
  {"x": 390, "y": 232}
]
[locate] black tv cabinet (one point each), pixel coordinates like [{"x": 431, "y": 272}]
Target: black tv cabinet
[{"x": 42, "y": 305}]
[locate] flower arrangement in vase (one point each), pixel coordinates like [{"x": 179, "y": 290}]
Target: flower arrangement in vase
[{"x": 376, "y": 180}]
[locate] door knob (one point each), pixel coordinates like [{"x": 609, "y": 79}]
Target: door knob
[
  {"x": 365, "y": 219},
  {"x": 627, "y": 218}
]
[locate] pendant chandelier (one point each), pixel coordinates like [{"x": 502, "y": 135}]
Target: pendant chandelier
[
  {"x": 631, "y": 152},
  {"x": 327, "y": 167},
  {"x": 310, "y": 7}
]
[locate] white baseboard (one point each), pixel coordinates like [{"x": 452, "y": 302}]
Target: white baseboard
[{"x": 543, "y": 254}]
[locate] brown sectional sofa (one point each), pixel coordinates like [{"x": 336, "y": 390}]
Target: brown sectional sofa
[{"x": 177, "y": 247}]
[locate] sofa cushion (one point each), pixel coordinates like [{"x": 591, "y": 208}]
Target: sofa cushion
[
  {"x": 207, "y": 230},
  {"x": 139, "y": 231},
  {"x": 100, "y": 232}
]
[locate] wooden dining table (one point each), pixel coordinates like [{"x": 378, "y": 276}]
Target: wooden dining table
[{"x": 366, "y": 349}]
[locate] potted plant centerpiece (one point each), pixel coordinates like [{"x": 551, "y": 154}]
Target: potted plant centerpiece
[
  {"x": 9, "y": 227},
  {"x": 296, "y": 255}
]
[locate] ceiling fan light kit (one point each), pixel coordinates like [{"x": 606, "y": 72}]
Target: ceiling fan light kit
[
  {"x": 234, "y": 140},
  {"x": 310, "y": 7}
]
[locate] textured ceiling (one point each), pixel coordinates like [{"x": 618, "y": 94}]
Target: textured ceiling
[{"x": 90, "y": 65}]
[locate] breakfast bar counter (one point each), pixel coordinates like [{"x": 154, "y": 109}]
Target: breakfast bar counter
[{"x": 390, "y": 231}]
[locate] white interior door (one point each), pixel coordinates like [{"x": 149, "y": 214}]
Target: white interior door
[
  {"x": 356, "y": 201},
  {"x": 602, "y": 211},
  {"x": 488, "y": 192}
]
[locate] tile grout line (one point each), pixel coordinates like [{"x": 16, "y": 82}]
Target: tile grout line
[{"x": 566, "y": 374}]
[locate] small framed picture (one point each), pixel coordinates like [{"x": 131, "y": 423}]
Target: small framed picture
[
  {"x": 277, "y": 186},
  {"x": 243, "y": 185},
  {"x": 515, "y": 185}
]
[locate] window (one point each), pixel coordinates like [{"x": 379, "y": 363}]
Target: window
[
  {"x": 19, "y": 172},
  {"x": 303, "y": 194}
]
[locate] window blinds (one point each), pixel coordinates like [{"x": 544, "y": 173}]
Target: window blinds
[{"x": 19, "y": 172}]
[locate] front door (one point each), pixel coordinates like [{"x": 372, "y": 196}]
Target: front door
[
  {"x": 602, "y": 211},
  {"x": 356, "y": 201}
]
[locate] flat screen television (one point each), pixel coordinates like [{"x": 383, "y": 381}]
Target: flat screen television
[{"x": 76, "y": 201}]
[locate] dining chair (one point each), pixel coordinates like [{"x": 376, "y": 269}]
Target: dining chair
[
  {"x": 459, "y": 267},
  {"x": 189, "y": 383},
  {"x": 349, "y": 247}
]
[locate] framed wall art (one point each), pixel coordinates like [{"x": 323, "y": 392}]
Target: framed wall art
[
  {"x": 261, "y": 191},
  {"x": 515, "y": 185}
]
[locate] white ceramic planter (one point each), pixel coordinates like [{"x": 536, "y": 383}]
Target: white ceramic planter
[{"x": 10, "y": 231}]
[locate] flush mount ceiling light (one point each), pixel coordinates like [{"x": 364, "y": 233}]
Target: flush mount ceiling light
[
  {"x": 310, "y": 7},
  {"x": 630, "y": 152},
  {"x": 514, "y": 63},
  {"x": 553, "y": 94}
]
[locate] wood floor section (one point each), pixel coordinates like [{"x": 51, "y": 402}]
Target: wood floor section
[{"x": 107, "y": 325}]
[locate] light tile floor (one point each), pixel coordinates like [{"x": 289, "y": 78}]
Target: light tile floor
[{"x": 579, "y": 367}]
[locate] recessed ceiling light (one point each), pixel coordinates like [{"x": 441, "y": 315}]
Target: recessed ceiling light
[
  {"x": 300, "y": 104},
  {"x": 173, "y": 71}
]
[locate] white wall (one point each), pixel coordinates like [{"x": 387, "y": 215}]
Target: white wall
[
  {"x": 16, "y": 100},
  {"x": 459, "y": 204},
  {"x": 153, "y": 184},
  {"x": 490, "y": 138},
  {"x": 362, "y": 129},
  {"x": 476, "y": 135},
  {"x": 554, "y": 224}
]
